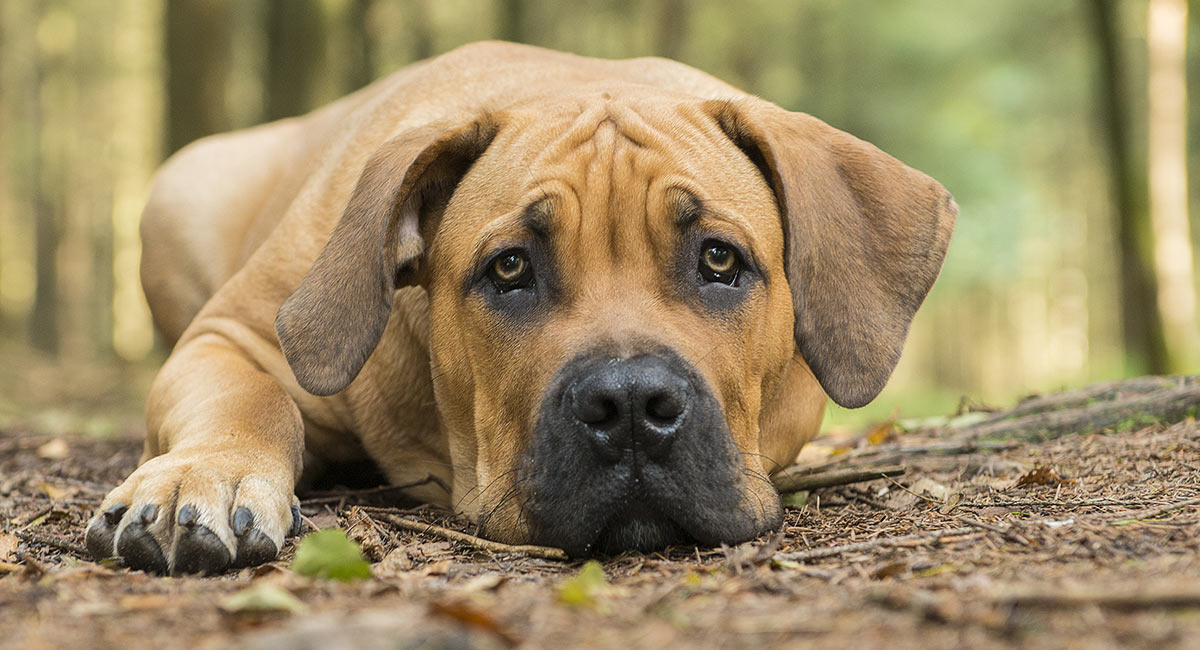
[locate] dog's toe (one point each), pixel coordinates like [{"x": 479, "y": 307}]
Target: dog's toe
[
  {"x": 198, "y": 549},
  {"x": 137, "y": 546},
  {"x": 254, "y": 547},
  {"x": 101, "y": 532}
]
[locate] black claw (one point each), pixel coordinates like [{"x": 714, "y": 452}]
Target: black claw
[
  {"x": 255, "y": 548},
  {"x": 113, "y": 515},
  {"x": 187, "y": 515},
  {"x": 295, "y": 530},
  {"x": 148, "y": 514},
  {"x": 199, "y": 550},
  {"x": 139, "y": 550},
  {"x": 99, "y": 538},
  {"x": 243, "y": 519}
]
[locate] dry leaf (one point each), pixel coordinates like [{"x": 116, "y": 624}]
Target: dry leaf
[
  {"x": 472, "y": 617},
  {"x": 485, "y": 582},
  {"x": 362, "y": 529},
  {"x": 929, "y": 488},
  {"x": 1042, "y": 475},
  {"x": 882, "y": 433},
  {"x": 135, "y": 602},
  {"x": 53, "y": 450},
  {"x": 8, "y": 545},
  {"x": 891, "y": 570},
  {"x": 438, "y": 568},
  {"x": 53, "y": 491}
]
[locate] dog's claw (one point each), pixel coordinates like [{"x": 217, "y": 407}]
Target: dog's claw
[
  {"x": 137, "y": 546},
  {"x": 198, "y": 550},
  {"x": 113, "y": 515},
  {"x": 148, "y": 514},
  {"x": 187, "y": 516},
  {"x": 99, "y": 539},
  {"x": 243, "y": 519},
  {"x": 255, "y": 548},
  {"x": 295, "y": 530}
]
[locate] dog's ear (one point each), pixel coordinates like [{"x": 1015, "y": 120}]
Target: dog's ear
[
  {"x": 865, "y": 236},
  {"x": 331, "y": 324}
]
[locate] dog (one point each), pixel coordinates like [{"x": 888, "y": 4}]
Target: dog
[{"x": 591, "y": 304}]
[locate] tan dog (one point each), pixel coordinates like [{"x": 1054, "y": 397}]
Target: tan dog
[{"x": 601, "y": 300}]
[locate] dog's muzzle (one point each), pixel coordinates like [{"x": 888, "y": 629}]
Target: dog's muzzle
[{"x": 635, "y": 453}]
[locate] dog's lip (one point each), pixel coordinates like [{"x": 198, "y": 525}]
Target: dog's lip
[{"x": 637, "y": 526}]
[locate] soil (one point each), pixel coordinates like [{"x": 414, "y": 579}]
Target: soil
[{"x": 1081, "y": 539}]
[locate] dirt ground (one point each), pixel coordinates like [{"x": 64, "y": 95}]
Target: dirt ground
[{"x": 1088, "y": 539}]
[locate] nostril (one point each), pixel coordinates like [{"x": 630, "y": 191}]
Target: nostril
[
  {"x": 596, "y": 410},
  {"x": 664, "y": 408}
]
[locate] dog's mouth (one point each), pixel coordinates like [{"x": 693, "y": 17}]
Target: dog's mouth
[{"x": 639, "y": 528}]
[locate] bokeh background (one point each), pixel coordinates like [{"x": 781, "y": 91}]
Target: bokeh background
[{"x": 1061, "y": 126}]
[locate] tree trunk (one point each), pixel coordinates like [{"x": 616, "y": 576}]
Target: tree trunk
[
  {"x": 672, "y": 23},
  {"x": 43, "y": 321},
  {"x": 511, "y": 20},
  {"x": 295, "y": 51},
  {"x": 198, "y": 44},
  {"x": 1167, "y": 102},
  {"x": 360, "y": 59},
  {"x": 1141, "y": 324}
]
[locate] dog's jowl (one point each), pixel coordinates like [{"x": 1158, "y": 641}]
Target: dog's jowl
[{"x": 601, "y": 301}]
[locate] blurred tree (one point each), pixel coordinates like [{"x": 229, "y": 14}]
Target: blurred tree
[
  {"x": 43, "y": 321},
  {"x": 1141, "y": 322},
  {"x": 198, "y": 48},
  {"x": 1166, "y": 39},
  {"x": 296, "y": 36},
  {"x": 360, "y": 51},
  {"x": 511, "y": 21},
  {"x": 672, "y": 23}
]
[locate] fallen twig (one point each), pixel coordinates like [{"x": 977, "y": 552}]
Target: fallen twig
[
  {"x": 798, "y": 482},
  {"x": 880, "y": 542},
  {"x": 545, "y": 552},
  {"x": 1130, "y": 517},
  {"x": 1005, "y": 532},
  {"x": 333, "y": 496},
  {"x": 1163, "y": 595},
  {"x": 58, "y": 543}
]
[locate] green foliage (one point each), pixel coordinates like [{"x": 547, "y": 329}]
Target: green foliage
[
  {"x": 331, "y": 555},
  {"x": 264, "y": 597},
  {"x": 581, "y": 589}
]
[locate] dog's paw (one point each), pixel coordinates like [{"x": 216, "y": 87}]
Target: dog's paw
[{"x": 189, "y": 512}]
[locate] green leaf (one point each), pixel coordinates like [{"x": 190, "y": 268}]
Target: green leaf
[
  {"x": 794, "y": 499},
  {"x": 264, "y": 597},
  {"x": 330, "y": 554},
  {"x": 581, "y": 589}
]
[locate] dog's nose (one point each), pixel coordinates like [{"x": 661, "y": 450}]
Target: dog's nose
[{"x": 633, "y": 404}]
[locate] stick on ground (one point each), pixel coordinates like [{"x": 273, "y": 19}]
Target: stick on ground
[
  {"x": 927, "y": 537},
  {"x": 544, "y": 552},
  {"x": 799, "y": 482}
]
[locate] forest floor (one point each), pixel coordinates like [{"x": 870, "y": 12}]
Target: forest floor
[{"x": 1067, "y": 521}]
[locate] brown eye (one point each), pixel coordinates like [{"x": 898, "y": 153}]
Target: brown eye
[
  {"x": 718, "y": 263},
  {"x": 510, "y": 270}
]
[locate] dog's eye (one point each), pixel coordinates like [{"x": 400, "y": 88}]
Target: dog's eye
[
  {"x": 719, "y": 263},
  {"x": 510, "y": 270}
]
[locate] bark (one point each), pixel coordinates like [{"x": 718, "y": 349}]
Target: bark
[
  {"x": 198, "y": 44},
  {"x": 1167, "y": 126},
  {"x": 1141, "y": 323},
  {"x": 511, "y": 21},
  {"x": 295, "y": 53}
]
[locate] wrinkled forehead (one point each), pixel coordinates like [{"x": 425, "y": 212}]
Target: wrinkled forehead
[{"x": 624, "y": 167}]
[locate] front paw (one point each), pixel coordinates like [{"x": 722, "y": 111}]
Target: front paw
[{"x": 187, "y": 512}]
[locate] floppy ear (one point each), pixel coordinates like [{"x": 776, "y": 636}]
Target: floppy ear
[
  {"x": 865, "y": 236},
  {"x": 331, "y": 324}
]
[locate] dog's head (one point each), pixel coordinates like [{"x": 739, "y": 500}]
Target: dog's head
[{"x": 617, "y": 290}]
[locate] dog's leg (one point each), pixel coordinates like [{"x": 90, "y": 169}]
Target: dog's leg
[{"x": 215, "y": 488}]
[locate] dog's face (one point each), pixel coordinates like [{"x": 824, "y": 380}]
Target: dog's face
[{"x": 617, "y": 288}]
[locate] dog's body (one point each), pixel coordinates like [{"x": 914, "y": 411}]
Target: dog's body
[{"x": 585, "y": 295}]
